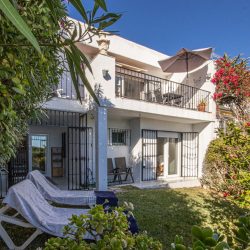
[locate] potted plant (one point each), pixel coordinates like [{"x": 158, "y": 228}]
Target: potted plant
[{"x": 202, "y": 105}]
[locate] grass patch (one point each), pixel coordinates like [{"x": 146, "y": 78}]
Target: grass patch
[{"x": 163, "y": 213}]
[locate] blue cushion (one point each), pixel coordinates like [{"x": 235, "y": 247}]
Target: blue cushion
[{"x": 101, "y": 196}]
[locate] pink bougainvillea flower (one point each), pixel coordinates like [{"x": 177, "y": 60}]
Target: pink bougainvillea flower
[{"x": 213, "y": 80}]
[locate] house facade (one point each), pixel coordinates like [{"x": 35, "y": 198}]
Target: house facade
[{"x": 153, "y": 119}]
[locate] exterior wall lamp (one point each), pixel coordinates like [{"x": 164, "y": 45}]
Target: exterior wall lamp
[{"x": 105, "y": 73}]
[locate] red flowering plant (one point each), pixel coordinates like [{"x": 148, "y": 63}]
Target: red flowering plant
[
  {"x": 227, "y": 164},
  {"x": 232, "y": 81}
]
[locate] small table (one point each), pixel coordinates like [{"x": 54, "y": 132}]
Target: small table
[{"x": 172, "y": 98}]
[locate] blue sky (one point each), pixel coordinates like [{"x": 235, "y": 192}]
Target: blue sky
[{"x": 168, "y": 25}]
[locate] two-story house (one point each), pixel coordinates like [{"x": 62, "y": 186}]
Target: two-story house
[{"x": 151, "y": 118}]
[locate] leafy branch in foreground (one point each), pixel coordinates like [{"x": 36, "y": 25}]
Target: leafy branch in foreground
[
  {"x": 35, "y": 37},
  {"x": 71, "y": 33},
  {"x": 110, "y": 230},
  {"x": 12, "y": 14}
]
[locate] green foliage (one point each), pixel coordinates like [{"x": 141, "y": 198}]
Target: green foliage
[
  {"x": 70, "y": 33},
  {"x": 203, "y": 239},
  {"x": 27, "y": 77},
  {"x": 227, "y": 164},
  {"x": 242, "y": 234},
  {"x": 108, "y": 230},
  {"x": 237, "y": 144},
  {"x": 12, "y": 14}
]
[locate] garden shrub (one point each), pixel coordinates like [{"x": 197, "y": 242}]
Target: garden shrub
[
  {"x": 227, "y": 164},
  {"x": 232, "y": 87},
  {"x": 205, "y": 238},
  {"x": 202, "y": 239},
  {"x": 242, "y": 233},
  {"x": 110, "y": 231}
]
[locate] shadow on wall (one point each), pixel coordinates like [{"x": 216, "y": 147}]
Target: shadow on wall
[
  {"x": 197, "y": 78},
  {"x": 195, "y": 95},
  {"x": 135, "y": 163},
  {"x": 104, "y": 101}
]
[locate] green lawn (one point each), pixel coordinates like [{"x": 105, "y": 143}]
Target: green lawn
[{"x": 163, "y": 213}]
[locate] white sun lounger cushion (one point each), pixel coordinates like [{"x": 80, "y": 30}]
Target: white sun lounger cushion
[
  {"x": 53, "y": 193},
  {"x": 28, "y": 201}
]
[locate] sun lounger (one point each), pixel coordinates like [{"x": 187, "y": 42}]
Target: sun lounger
[
  {"x": 52, "y": 193},
  {"x": 38, "y": 213}
]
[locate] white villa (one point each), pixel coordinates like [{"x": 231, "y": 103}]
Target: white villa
[{"x": 149, "y": 117}]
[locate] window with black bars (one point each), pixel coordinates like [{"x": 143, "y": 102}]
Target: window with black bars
[{"x": 118, "y": 137}]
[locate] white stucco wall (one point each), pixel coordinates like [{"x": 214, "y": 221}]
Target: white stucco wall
[
  {"x": 165, "y": 125},
  {"x": 102, "y": 62},
  {"x": 206, "y": 135},
  {"x": 136, "y": 148},
  {"x": 114, "y": 151},
  {"x": 118, "y": 150},
  {"x": 166, "y": 118},
  {"x": 133, "y": 153},
  {"x": 65, "y": 105}
]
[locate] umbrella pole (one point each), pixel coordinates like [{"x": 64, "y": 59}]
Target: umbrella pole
[{"x": 187, "y": 63}]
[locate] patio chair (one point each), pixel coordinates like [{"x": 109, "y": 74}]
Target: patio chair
[
  {"x": 158, "y": 96},
  {"x": 35, "y": 212},
  {"x": 67, "y": 197},
  {"x": 120, "y": 163},
  {"x": 113, "y": 171}
]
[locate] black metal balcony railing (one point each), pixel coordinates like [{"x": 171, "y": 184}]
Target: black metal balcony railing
[
  {"x": 66, "y": 89},
  {"x": 140, "y": 86}
]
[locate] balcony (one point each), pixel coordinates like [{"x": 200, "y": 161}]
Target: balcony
[
  {"x": 140, "y": 86},
  {"x": 66, "y": 89}
]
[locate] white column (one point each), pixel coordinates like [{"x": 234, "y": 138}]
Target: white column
[
  {"x": 136, "y": 148},
  {"x": 101, "y": 148}
]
